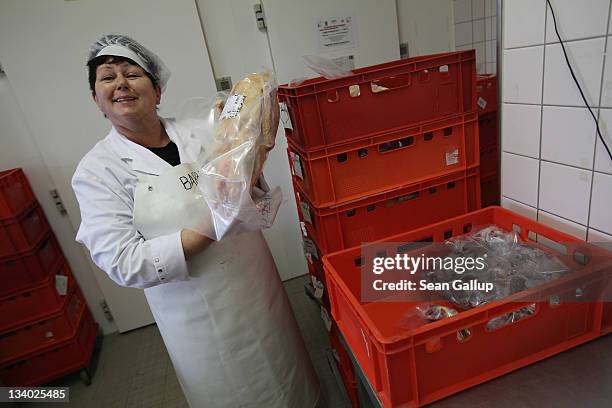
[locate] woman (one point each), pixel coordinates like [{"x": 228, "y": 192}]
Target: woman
[{"x": 220, "y": 306}]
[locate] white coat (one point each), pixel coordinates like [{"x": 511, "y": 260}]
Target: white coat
[{"x": 223, "y": 315}]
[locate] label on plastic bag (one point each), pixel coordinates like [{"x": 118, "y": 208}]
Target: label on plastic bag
[
  {"x": 310, "y": 247},
  {"x": 326, "y": 319},
  {"x": 319, "y": 289},
  {"x": 306, "y": 212},
  {"x": 481, "y": 102},
  {"x": 61, "y": 284},
  {"x": 233, "y": 106},
  {"x": 285, "y": 118},
  {"x": 452, "y": 157},
  {"x": 297, "y": 165}
]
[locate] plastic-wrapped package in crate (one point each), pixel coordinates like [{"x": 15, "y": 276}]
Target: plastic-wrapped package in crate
[
  {"x": 54, "y": 362},
  {"x": 37, "y": 335},
  {"x": 486, "y": 93},
  {"x": 342, "y": 173},
  {"x": 389, "y": 213},
  {"x": 320, "y": 112},
  {"x": 23, "y": 232},
  {"x": 403, "y": 364},
  {"x": 23, "y": 271},
  {"x": 15, "y": 193},
  {"x": 38, "y": 301}
]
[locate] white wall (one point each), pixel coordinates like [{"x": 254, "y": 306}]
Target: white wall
[
  {"x": 554, "y": 168},
  {"x": 19, "y": 150},
  {"x": 476, "y": 27},
  {"x": 427, "y": 26}
]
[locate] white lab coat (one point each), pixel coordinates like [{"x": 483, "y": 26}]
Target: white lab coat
[{"x": 224, "y": 317}]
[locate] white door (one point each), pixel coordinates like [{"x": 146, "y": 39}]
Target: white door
[
  {"x": 292, "y": 28},
  {"x": 43, "y": 48},
  {"x": 237, "y": 47},
  {"x": 427, "y": 27}
]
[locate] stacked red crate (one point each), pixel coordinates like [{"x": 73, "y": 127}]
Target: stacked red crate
[
  {"x": 486, "y": 90},
  {"x": 46, "y": 329},
  {"x": 415, "y": 367},
  {"x": 391, "y": 147}
]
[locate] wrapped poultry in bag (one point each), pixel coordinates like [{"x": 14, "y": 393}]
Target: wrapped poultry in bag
[
  {"x": 247, "y": 128},
  {"x": 244, "y": 133}
]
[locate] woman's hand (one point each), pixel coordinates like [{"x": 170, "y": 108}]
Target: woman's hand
[{"x": 193, "y": 243}]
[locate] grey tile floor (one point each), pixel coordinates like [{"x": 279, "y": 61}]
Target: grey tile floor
[{"x": 134, "y": 370}]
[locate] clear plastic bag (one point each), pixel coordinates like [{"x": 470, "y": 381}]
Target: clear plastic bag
[
  {"x": 511, "y": 265},
  {"x": 237, "y": 130},
  {"x": 325, "y": 67}
]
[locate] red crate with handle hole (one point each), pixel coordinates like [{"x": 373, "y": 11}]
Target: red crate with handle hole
[
  {"x": 34, "y": 336},
  {"x": 54, "y": 362},
  {"x": 375, "y": 217},
  {"x": 23, "y": 232},
  {"x": 23, "y": 271},
  {"x": 15, "y": 193},
  {"x": 320, "y": 112},
  {"x": 415, "y": 367},
  {"x": 346, "y": 172},
  {"x": 37, "y": 301}
]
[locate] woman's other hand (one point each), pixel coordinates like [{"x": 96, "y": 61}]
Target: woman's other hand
[{"x": 193, "y": 243}]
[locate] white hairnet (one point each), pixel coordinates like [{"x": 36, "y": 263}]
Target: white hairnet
[{"x": 124, "y": 46}]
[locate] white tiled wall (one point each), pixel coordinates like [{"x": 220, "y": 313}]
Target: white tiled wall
[
  {"x": 554, "y": 168},
  {"x": 476, "y": 27}
]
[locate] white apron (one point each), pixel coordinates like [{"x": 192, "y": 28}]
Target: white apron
[{"x": 229, "y": 329}]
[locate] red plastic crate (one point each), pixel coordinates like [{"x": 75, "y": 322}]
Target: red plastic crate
[
  {"x": 487, "y": 129},
  {"x": 405, "y": 366},
  {"x": 376, "y": 217},
  {"x": 15, "y": 193},
  {"x": 53, "y": 363},
  {"x": 35, "y": 303},
  {"x": 489, "y": 189},
  {"x": 488, "y": 160},
  {"x": 486, "y": 93},
  {"x": 345, "y": 367},
  {"x": 379, "y": 98},
  {"x": 35, "y": 336},
  {"x": 21, "y": 272},
  {"x": 23, "y": 232},
  {"x": 343, "y": 173}
]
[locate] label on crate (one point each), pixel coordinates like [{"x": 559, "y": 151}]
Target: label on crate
[
  {"x": 310, "y": 247},
  {"x": 481, "y": 102},
  {"x": 285, "y": 118},
  {"x": 61, "y": 284},
  {"x": 326, "y": 319},
  {"x": 306, "y": 212},
  {"x": 319, "y": 289},
  {"x": 297, "y": 165},
  {"x": 233, "y": 106},
  {"x": 452, "y": 157}
]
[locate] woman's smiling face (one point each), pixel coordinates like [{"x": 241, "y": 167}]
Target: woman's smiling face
[{"x": 124, "y": 92}]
